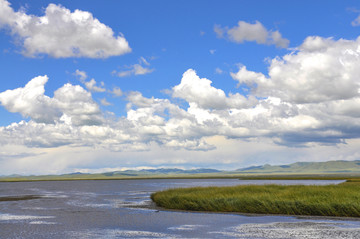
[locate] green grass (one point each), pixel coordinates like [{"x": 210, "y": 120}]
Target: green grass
[{"x": 341, "y": 200}]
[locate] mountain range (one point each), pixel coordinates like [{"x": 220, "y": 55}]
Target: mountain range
[
  {"x": 340, "y": 166},
  {"x": 299, "y": 168}
]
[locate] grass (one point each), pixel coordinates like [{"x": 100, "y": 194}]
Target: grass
[{"x": 341, "y": 200}]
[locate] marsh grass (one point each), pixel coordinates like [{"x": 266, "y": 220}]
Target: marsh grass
[{"x": 341, "y": 200}]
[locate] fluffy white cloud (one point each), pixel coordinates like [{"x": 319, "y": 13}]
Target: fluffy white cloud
[
  {"x": 71, "y": 117},
  {"x": 61, "y": 33},
  {"x": 308, "y": 101},
  {"x": 30, "y": 101},
  {"x": 251, "y": 32},
  {"x": 77, "y": 105},
  {"x": 320, "y": 70},
  {"x": 312, "y": 93},
  {"x": 198, "y": 90},
  {"x": 72, "y": 103}
]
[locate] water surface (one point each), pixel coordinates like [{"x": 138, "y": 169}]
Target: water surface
[{"x": 121, "y": 209}]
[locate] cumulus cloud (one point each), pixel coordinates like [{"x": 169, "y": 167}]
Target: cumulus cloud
[
  {"x": 71, "y": 117},
  {"x": 61, "y": 33},
  {"x": 309, "y": 98},
  {"x": 322, "y": 69},
  {"x": 30, "y": 101},
  {"x": 251, "y": 32},
  {"x": 70, "y": 103},
  {"x": 198, "y": 90},
  {"x": 312, "y": 94}
]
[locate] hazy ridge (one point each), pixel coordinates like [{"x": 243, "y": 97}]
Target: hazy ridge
[
  {"x": 307, "y": 168},
  {"x": 299, "y": 168}
]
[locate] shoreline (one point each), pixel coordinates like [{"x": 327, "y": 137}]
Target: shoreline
[
  {"x": 355, "y": 178},
  {"x": 255, "y": 214},
  {"x": 153, "y": 206}
]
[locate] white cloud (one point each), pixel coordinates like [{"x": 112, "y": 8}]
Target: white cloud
[
  {"x": 77, "y": 104},
  {"x": 81, "y": 74},
  {"x": 61, "y": 33},
  {"x": 30, "y": 101},
  {"x": 91, "y": 86},
  {"x": 104, "y": 102},
  {"x": 140, "y": 70},
  {"x": 251, "y": 32},
  {"x": 116, "y": 91},
  {"x": 136, "y": 69},
  {"x": 71, "y": 117},
  {"x": 71, "y": 102},
  {"x": 212, "y": 51},
  {"x": 320, "y": 70},
  {"x": 218, "y": 70},
  {"x": 306, "y": 103},
  {"x": 312, "y": 94},
  {"x": 219, "y": 31},
  {"x": 198, "y": 90},
  {"x": 248, "y": 32}
]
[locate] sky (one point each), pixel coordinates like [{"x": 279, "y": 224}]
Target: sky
[{"x": 135, "y": 84}]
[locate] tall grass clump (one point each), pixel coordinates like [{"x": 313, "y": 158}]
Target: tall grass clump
[{"x": 331, "y": 200}]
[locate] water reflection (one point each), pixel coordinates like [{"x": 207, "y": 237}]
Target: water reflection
[{"x": 122, "y": 209}]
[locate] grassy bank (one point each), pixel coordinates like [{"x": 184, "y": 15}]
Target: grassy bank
[{"x": 341, "y": 200}]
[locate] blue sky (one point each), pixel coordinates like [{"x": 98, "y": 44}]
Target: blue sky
[{"x": 133, "y": 84}]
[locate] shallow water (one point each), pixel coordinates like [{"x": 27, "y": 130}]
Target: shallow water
[{"x": 122, "y": 209}]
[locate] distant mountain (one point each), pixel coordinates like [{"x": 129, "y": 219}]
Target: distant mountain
[
  {"x": 181, "y": 171},
  {"x": 161, "y": 171},
  {"x": 76, "y": 173},
  {"x": 300, "y": 168},
  {"x": 306, "y": 168}
]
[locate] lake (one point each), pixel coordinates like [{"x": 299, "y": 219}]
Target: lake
[{"x": 123, "y": 209}]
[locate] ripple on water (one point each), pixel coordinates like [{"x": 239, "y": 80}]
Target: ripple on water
[
  {"x": 314, "y": 230},
  {"x": 21, "y": 218},
  {"x": 186, "y": 227},
  {"x": 118, "y": 233}
]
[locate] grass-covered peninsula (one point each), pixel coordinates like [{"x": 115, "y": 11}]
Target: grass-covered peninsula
[{"x": 341, "y": 200}]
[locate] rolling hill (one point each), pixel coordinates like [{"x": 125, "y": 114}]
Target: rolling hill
[
  {"x": 299, "y": 169},
  {"x": 306, "y": 168}
]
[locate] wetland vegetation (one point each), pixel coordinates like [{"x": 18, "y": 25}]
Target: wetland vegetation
[{"x": 342, "y": 200}]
